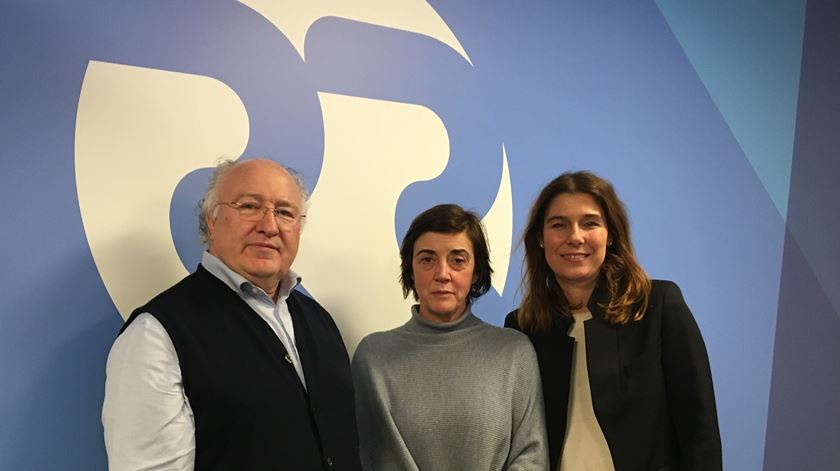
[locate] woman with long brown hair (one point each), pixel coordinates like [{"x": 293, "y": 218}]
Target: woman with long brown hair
[{"x": 626, "y": 377}]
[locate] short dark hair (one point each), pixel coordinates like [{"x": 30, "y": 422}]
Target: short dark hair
[{"x": 447, "y": 219}]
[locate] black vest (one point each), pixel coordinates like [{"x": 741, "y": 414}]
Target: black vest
[{"x": 251, "y": 410}]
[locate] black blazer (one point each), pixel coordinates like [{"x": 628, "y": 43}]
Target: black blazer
[{"x": 651, "y": 385}]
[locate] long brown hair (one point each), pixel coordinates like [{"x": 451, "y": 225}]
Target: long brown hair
[{"x": 625, "y": 280}]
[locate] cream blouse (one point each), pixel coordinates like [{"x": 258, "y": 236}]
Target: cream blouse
[{"x": 585, "y": 448}]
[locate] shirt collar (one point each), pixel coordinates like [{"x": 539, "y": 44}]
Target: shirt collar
[{"x": 240, "y": 285}]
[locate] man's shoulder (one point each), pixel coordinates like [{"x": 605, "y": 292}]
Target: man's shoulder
[
  {"x": 192, "y": 291},
  {"x": 300, "y": 301},
  {"x": 200, "y": 279},
  {"x": 308, "y": 311},
  {"x": 299, "y": 296}
]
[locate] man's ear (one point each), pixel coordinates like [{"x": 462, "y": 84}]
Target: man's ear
[{"x": 208, "y": 219}]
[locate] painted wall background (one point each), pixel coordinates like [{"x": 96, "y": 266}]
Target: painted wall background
[{"x": 718, "y": 123}]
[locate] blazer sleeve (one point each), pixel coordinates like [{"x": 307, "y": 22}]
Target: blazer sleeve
[{"x": 688, "y": 382}]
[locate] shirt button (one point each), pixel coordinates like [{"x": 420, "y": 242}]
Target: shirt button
[
  {"x": 329, "y": 462},
  {"x": 288, "y": 358}
]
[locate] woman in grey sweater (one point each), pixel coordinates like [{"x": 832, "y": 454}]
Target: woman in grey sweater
[{"x": 446, "y": 391}]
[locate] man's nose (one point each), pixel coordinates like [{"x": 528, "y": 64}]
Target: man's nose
[{"x": 267, "y": 224}]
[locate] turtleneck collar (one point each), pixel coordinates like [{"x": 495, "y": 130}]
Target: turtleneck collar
[{"x": 419, "y": 324}]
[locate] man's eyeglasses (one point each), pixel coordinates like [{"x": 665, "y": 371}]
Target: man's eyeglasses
[{"x": 253, "y": 211}]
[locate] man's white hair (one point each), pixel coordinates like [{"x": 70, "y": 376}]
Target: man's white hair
[{"x": 210, "y": 202}]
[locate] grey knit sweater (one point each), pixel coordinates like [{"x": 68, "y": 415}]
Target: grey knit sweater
[{"x": 459, "y": 396}]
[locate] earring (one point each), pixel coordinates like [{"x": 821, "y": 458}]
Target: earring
[{"x": 541, "y": 245}]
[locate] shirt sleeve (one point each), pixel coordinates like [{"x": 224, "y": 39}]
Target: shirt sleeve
[
  {"x": 147, "y": 419},
  {"x": 529, "y": 442},
  {"x": 688, "y": 380}
]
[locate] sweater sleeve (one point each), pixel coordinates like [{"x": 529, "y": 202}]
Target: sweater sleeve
[
  {"x": 529, "y": 444},
  {"x": 688, "y": 380}
]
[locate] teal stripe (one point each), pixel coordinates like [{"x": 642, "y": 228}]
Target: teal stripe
[{"x": 748, "y": 53}]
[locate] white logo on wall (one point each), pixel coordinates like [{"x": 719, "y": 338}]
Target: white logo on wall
[{"x": 139, "y": 131}]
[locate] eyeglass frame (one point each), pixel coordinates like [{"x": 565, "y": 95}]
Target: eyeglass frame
[{"x": 261, "y": 210}]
